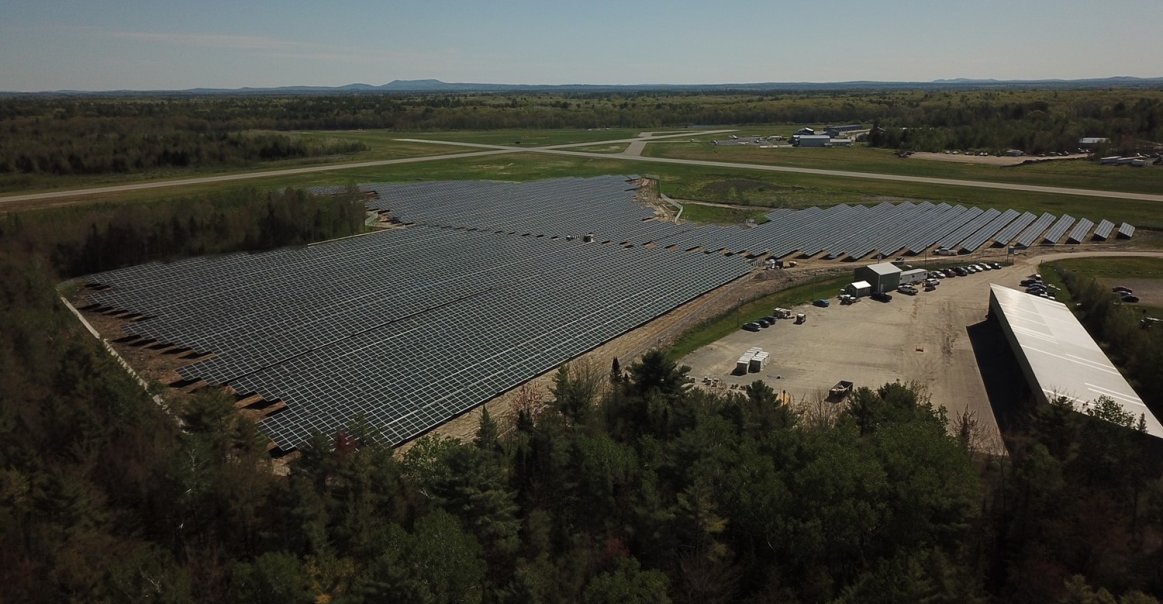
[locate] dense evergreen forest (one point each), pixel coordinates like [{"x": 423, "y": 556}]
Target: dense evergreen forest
[
  {"x": 99, "y": 135},
  {"x": 78, "y": 240}
]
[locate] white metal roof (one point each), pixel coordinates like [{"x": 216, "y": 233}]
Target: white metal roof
[
  {"x": 1064, "y": 359},
  {"x": 885, "y": 268},
  {"x": 861, "y": 284}
]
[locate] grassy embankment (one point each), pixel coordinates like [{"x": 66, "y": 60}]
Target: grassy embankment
[{"x": 1111, "y": 271}]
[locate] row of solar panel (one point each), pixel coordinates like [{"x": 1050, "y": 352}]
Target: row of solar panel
[
  {"x": 605, "y": 206},
  {"x": 406, "y": 327}
]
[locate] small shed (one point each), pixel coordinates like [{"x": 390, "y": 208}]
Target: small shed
[
  {"x": 883, "y": 277},
  {"x": 858, "y": 289}
]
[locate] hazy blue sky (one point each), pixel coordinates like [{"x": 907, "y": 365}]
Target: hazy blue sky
[{"x": 167, "y": 44}]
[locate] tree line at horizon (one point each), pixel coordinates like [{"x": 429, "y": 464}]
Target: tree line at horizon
[{"x": 109, "y": 135}]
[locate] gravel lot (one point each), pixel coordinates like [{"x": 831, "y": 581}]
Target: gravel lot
[{"x": 920, "y": 338}]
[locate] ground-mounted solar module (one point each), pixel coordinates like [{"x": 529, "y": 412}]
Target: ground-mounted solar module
[
  {"x": 1103, "y": 231},
  {"x": 987, "y": 232},
  {"x": 1028, "y": 236},
  {"x": 1011, "y": 231},
  {"x": 1059, "y": 229},
  {"x": 1078, "y": 233},
  {"x": 485, "y": 286},
  {"x": 1126, "y": 231}
]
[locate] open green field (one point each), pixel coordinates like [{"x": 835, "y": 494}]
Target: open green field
[
  {"x": 715, "y": 329},
  {"x": 695, "y": 212},
  {"x": 1079, "y": 174}
]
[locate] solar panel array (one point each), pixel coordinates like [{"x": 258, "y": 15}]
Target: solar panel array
[
  {"x": 603, "y": 206},
  {"x": 407, "y": 327},
  {"x": 491, "y": 285},
  {"x": 1126, "y": 231}
]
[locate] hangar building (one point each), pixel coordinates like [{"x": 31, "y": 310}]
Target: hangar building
[{"x": 1058, "y": 357}]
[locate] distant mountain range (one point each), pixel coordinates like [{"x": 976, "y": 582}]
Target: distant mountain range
[{"x": 439, "y": 87}]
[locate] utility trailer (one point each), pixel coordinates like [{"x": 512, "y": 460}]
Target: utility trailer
[{"x": 840, "y": 391}]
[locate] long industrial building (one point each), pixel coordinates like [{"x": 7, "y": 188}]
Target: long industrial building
[{"x": 1058, "y": 356}]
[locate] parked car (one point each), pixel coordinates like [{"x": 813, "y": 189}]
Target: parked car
[
  {"x": 751, "y": 326},
  {"x": 1131, "y": 298},
  {"x": 907, "y": 289},
  {"x": 1123, "y": 289},
  {"x": 822, "y": 303},
  {"x": 770, "y": 320},
  {"x": 1027, "y": 282},
  {"x": 960, "y": 271},
  {"x": 950, "y": 273},
  {"x": 996, "y": 266},
  {"x": 881, "y": 297},
  {"x": 763, "y": 322}
]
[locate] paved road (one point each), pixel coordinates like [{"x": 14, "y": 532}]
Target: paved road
[{"x": 565, "y": 150}]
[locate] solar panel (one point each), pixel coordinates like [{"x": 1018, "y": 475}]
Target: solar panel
[
  {"x": 1103, "y": 232},
  {"x": 1126, "y": 231},
  {"x": 1055, "y": 233},
  {"x": 1007, "y": 234},
  {"x": 1078, "y": 233},
  {"x": 1030, "y": 234},
  {"x": 986, "y": 232}
]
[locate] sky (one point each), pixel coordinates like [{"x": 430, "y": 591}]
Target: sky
[{"x": 174, "y": 45}]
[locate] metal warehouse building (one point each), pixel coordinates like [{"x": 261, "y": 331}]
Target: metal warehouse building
[
  {"x": 812, "y": 140},
  {"x": 1058, "y": 357},
  {"x": 883, "y": 277}
]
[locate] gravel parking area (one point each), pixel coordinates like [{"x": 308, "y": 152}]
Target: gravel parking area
[{"x": 921, "y": 338}]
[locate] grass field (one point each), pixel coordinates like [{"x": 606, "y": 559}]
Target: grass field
[
  {"x": 714, "y": 329},
  {"x": 695, "y": 212},
  {"x": 1079, "y": 174}
]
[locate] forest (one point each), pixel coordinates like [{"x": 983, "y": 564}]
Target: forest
[
  {"x": 109, "y": 135},
  {"x": 77, "y": 240}
]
